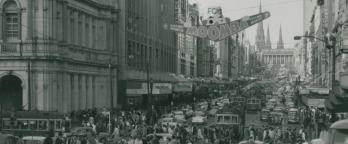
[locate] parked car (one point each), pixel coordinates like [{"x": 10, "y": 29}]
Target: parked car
[
  {"x": 179, "y": 115},
  {"x": 168, "y": 121},
  {"x": 265, "y": 113}
]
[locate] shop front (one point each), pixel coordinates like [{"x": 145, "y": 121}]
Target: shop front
[
  {"x": 161, "y": 93},
  {"x": 182, "y": 92},
  {"x": 314, "y": 97},
  {"x": 135, "y": 93}
]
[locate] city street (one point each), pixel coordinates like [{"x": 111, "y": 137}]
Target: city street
[{"x": 174, "y": 72}]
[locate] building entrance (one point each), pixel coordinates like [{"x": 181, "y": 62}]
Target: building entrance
[{"x": 11, "y": 93}]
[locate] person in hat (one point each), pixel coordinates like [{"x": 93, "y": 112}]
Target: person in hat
[{"x": 60, "y": 139}]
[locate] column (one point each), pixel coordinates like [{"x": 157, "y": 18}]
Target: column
[
  {"x": 89, "y": 92},
  {"x": 115, "y": 95},
  {"x": 40, "y": 91},
  {"x": 60, "y": 94},
  {"x": 66, "y": 92},
  {"x": 98, "y": 87},
  {"x": 78, "y": 92},
  {"x": 94, "y": 88},
  {"x": 83, "y": 92}
]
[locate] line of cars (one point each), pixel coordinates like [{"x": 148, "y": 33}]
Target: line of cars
[{"x": 275, "y": 113}]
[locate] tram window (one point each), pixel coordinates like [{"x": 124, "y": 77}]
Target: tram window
[
  {"x": 51, "y": 126},
  {"x": 58, "y": 124},
  {"x": 219, "y": 119},
  {"x": 42, "y": 125},
  {"x": 227, "y": 118},
  {"x": 33, "y": 124},
  {"x": 16, "y": 125},
  {"x": 234, "y": 119},
  {"x": 6, "y": 124},
  {"x": 23, "y": 124}
]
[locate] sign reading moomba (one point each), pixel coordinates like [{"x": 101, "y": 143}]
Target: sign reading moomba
[{"x": 222, "y": 31}]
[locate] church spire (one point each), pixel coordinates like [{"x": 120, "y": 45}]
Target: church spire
[
  {"x": 268, "y": 39},
  {"x": 280, "y": 44},
  {"x": 260, "y": 35}
]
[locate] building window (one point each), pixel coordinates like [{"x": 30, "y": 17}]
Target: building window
[
  {"x": 183, "y": 66},
  {"x": 192, "y": 69},
  {"x": 93, "y": 34},
  {"x": 72, "y": 28},
  {"x": 80, "y": 30},
  {"x": 11, "y": 26},
  {"x": 129, "y": 51},
  {"x": 87, "y": 40}
]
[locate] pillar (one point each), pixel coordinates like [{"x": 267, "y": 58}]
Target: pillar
[{"x": 83, "y": 99}]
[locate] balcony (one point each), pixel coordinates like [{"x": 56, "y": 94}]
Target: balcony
[{"x": 9, "y": 49}]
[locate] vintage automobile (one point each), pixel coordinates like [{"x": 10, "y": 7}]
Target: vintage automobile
[
  {"x": 338, "y": 133},
  {"x": 237, "y": 100},
  {"x": 253, "y": 104},
  {"x": 168, "y": 121},
  {"x": 33, "y": 140},
  {"x": 265, "y": 113},
  {"x": 8, "y": 139},
  {"x": 179, "y": 115},
  {"x": 293, "y": 115},
  {"x": 276, "y": 118}
]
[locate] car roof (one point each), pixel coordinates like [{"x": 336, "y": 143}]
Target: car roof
[
  {"x": 293, "y": 109},
  {"x": 33, "y": 138},
  {"x": 342, "y": 124}
]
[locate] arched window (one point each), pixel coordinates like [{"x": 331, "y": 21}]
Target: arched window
[{"x": 11, "y": 20}]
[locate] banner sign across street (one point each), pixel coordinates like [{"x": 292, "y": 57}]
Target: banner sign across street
[{"x": 221, "y": 31}]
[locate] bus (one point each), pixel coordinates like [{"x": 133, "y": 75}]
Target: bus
[
  {"x": 33, "y": 123},
  {"x": 253, "y": 104}
]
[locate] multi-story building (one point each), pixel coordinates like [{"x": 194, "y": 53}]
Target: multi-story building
[
  {"x": 187, "y": 45},
  {"x": 58, "y": 55},
  {"x": 205, "y": 58},
  {"x": 148, "y": 51}
]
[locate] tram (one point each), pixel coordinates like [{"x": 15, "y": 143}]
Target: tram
[
  {"x": 31, "y": 123},
  {"x": 228, "y": 117},
  {"x": 237, "y": 100},
  {"x": 253, "y": 104}
]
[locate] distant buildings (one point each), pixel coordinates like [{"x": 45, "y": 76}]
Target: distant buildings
[
  {"x": 186, "y": 14},
  {"x": 147, "y": 51},
  {"x": 273, "y": 57}
]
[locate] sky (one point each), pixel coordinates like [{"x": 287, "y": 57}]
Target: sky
[{"x": 287, "y": 13}]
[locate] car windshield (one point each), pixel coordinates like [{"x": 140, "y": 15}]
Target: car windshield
[{"x": 340, "y": 136}]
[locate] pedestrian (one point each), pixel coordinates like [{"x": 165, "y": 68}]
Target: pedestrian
[
  {"x": 48, "y": 139},
  {"x": 60, "y": 139}
]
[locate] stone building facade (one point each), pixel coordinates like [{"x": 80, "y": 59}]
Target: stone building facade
[
  {"x": 148, "y": 52},
  {"x": 58, "y": 55}
]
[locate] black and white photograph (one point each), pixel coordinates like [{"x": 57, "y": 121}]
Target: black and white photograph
[{"x": 173, "y": 71}]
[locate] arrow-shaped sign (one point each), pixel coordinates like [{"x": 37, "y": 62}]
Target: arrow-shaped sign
[{"x": 221, "y": 31}]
